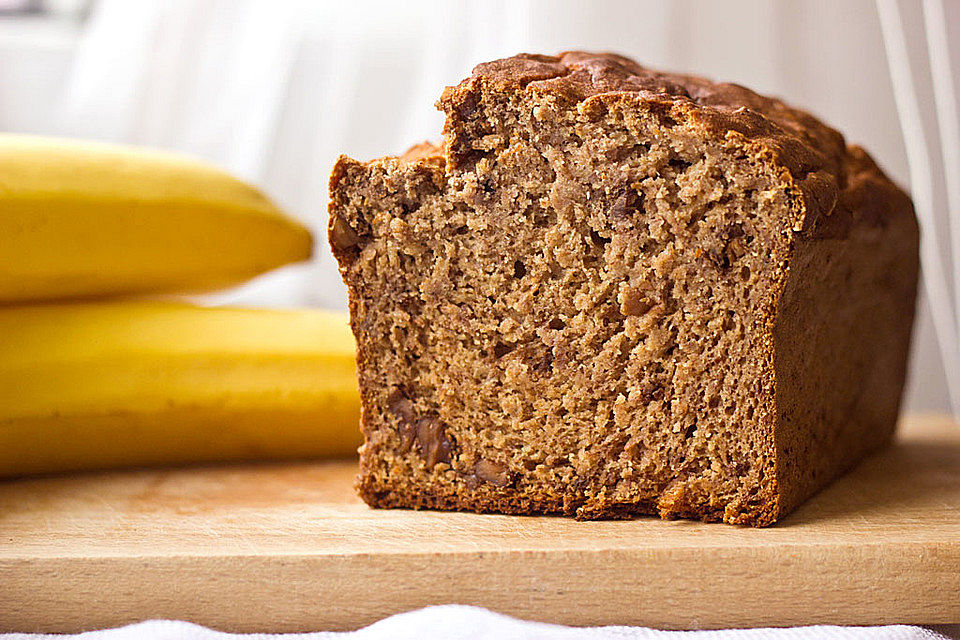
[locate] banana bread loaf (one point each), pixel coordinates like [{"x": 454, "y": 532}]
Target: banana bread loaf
[{"x": 615, "y": 291}]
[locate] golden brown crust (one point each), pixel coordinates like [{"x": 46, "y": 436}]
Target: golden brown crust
[
  {"x": 850, "y": 295},
  {"x": 803, "y": 143},
  {"x": 815, "y": 154}
]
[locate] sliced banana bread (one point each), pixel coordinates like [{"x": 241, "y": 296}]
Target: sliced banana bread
[{"x": 615, "y": 291}]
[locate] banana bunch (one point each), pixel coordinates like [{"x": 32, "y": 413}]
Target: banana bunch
[{"x": 119, "y": 381}]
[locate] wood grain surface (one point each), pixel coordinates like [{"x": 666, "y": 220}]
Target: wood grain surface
[{"x": 288, "y": 547}]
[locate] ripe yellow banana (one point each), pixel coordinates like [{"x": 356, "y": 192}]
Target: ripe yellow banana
[
  {"x": 81, "y": 219},
  {"x": 94, "y": 385}
]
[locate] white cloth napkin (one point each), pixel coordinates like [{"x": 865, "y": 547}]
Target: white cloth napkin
[{"x": 458, "y": 622}]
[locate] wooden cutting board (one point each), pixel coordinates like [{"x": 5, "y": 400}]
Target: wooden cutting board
[{"x": 288, "y": 547}]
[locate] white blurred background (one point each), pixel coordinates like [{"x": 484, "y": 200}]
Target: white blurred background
[{"x": 275, "y": 90}]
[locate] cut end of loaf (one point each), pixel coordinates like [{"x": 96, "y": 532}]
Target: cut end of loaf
[{"x": 572, "y": 305}]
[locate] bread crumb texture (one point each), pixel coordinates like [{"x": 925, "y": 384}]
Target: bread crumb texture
[{"x": 613, "y": 291}]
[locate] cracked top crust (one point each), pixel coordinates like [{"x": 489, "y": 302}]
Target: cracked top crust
[{"x": 818, "y": 159}]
